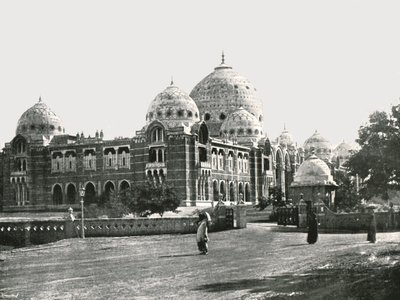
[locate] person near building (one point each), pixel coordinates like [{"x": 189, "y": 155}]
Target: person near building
[
  {"x": 202, "y": 234},
  {"x": 371, "y": 235},
  {"x": 312, "y": 235}
]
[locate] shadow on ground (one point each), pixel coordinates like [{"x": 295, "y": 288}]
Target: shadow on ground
[{"x": 345, "y": 281}]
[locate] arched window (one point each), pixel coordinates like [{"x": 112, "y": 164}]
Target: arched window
[
  {"x": 124, "y": 185},
  {"x": 109, "y": 189},
  {"x": 220, "y": 159},
  {"x": 57, "y": 195},
  {"x": 247, "y": 192},
  {"x": 203, "y": 134},
  {"x": 157, "y": 135},
  {"x": 222, "y": 190},
  {"x": 214, "y": 160},
  {"x": 90, "y": 193},
  {"x": 231, "y": 192},
  {"x": 71, "y": 194},
  {"x": 215, "y": 191}
]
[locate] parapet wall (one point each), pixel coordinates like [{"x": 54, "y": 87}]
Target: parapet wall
[{"x": 24, "y": 233}]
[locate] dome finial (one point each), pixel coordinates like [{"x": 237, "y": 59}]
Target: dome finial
[
  {"x": 284, "y": 126},
  {"x": 223, "y": 58},
  {"x": 40, "y": 98},
  {"x": 172, "y": 80}
]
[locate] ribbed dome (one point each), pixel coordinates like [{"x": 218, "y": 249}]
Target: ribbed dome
[
  {"x": 319, "y": 145},
  {"x": 222, "y": 92},
  {"x": 313, "y": 171},
  {"x": 39, "y": 121},
  {"x": 286, "y": 138},
  {"x": 243, "y": 126},
  {"x": 173, "y": 107}
]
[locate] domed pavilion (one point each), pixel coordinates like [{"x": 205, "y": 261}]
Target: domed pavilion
[{"x": 314, "y": 180}]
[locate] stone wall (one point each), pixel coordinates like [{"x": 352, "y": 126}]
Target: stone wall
[
  {"x": 352, "y": 222},
  {"x": 24, "y": 233}
]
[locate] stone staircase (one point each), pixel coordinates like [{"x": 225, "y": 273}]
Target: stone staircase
[{"x": 255, "y": 215}]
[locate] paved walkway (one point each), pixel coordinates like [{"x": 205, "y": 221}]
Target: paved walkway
[{"x": 251, "y": 263}]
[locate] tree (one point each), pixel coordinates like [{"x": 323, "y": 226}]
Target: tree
[
  {"x": 346, "y": 196},
  {"x": 147, "y": 199},
  {"x": 377, "y": 162}
]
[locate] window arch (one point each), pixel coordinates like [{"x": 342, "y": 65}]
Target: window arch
[
  {"x": 215, "y": 191},
  {"x": 71, "y": 193},
  {"x": 90, "y": 193},
  {"x": 57, "y": 195},
  {"x": 124, "y": 185},
  {"x": 157, "y": 135}
]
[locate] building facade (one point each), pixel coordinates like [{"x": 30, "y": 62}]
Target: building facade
[{"x": 208, "y": 144}]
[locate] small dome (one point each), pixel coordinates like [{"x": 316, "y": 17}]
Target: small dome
[
  {"x": 286, "y": 138},
  {"x": 39, "y": 121},
  {"x": 341, "y": 153},
  {"x": 174, "y": 108},
  {"x": 343, "y": 149},
  {"x": 222, "y": 92},
  {"x": 243, "y": 126},
  {"x": 319, "y": 145},
  {"x": 313, "y": 171}
]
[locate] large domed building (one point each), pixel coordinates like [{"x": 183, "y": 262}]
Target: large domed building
[
  {"x": 223, "y": 92},
  {"x": 210, "y": 145}
]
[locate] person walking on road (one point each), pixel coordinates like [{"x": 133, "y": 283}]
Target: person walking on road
[
  {"x": 312, "y": 235},
  {"x": 202, "y": 234},
  {"x": 371, "y": 236}
]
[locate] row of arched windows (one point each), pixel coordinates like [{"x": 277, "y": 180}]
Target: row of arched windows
[
  {"x": 220, "y": 162},
  {"x": 71, "y": 194}
]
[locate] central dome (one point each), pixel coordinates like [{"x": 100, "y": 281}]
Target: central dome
[
  {"x": 173, "y": 107},
  {"x": 222, "y": 92},
  {"x": 39, "y": 122}
]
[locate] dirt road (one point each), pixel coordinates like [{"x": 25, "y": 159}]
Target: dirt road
[{"x": 258, "y": 262}]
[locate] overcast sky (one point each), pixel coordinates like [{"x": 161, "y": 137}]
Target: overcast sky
[{"x": 322, "y": 65}]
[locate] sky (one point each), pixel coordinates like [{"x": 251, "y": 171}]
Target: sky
[{"x": 317, "y": 65}]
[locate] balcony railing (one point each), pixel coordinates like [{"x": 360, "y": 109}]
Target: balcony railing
[
  {"x": 18, "y": 173},
  {"x": 155, "y": 165},
  {"x": 205, "y": 165}
]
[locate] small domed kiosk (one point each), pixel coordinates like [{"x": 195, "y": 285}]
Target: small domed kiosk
[{"x": 314, "y": 180}]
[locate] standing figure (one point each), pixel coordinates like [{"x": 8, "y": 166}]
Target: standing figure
[
  {"x": 371, "y": 236},
  {"x": 312, "y": 235},
  {"x": 202, "y": 234}
]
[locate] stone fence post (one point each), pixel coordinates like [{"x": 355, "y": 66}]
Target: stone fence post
[{"x": 241, "y": 218}]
